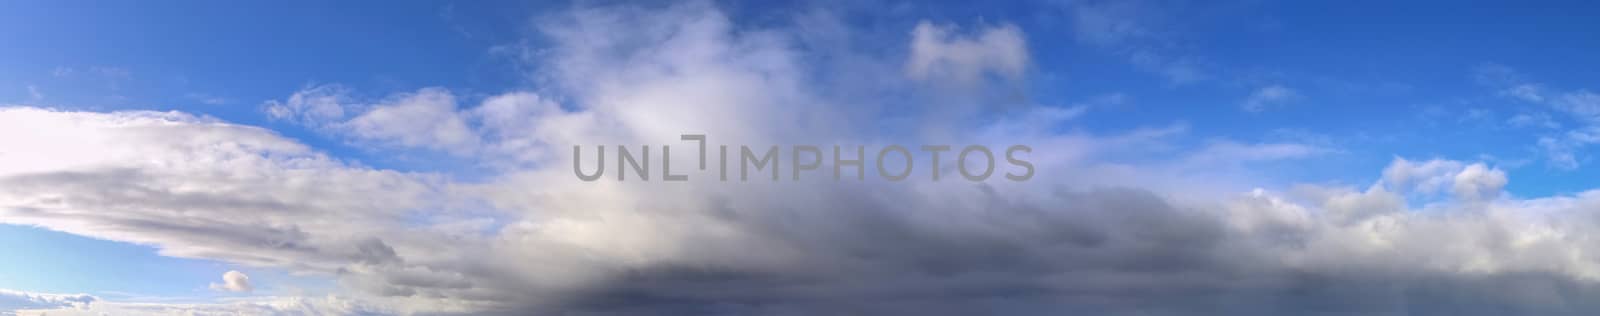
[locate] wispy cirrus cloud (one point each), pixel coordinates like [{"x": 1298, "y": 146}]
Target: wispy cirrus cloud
[
  {"x": 1581, "y": 107},
  {"x": 1269, "y": 96},
  {"x": 1133, "y": 29}
]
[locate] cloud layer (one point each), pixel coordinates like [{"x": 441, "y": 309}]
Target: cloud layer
[{"x": 1090, "y": 234}]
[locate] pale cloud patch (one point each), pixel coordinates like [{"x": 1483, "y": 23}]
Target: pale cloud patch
[
  {"x": 1268, "y": 97},
  {"x": 1562, "y": 150},
  {"x": 61, "y": 71},
  {"x": 209, "y": 99},
  {"x": 939, "y": 52},
  {"x": 1509, "y": 82},
  {"x": 1131, "y": 29},
  {"x": 427, "y": 118},
  {"x": 33, "y": 93},
  {"x": 1230, "y": 152},
  {"x": 1581, "y": 103},
  {"x": 1526, "y": 92},
  {"x": 1537, "y": 119},
  {"x": 314, "y": 106},
  {"x": 233, "y": 281}
]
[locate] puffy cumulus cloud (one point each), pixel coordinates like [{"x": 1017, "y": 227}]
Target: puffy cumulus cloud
[
  {"x": 12, "y": 300},
  {"x": 1468, "y": 182},
  {"x": 1478, "y": 182},
  {"x": 233, "y": 281},
  {"x": 426, "y": 118},
  {"x": 1090, "y": 233}
]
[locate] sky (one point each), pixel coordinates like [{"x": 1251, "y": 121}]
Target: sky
[{"x": 402, "y": 158}]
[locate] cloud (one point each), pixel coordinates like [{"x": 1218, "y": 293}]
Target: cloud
[
  {"x": 1269, "y": 96},
  {"x": 1526, "y": 92},
  {"x": 206, "y": 99},
  {"x": 1582, "y": 106},
  {"x": 1540, "y": 120},
  {"x": 1581, "y": 103},
  {"x": 935, "y": 52},
  {"x": 1104, "y": 229},
  {"x": 1468, "y": 182},
  {"x": 1225, "y": 152},
  {"x": 426, "y": 118},
  {"x": 61, "y": 71},
  {"x": 11, "y": 300},
  {"x": 233, "y": 281},
  {"x": 327, "y": 305},
  {"x": 315, "y": 106},
  {"x": 1130, "y": 29},
  {"x": 195, "y": 187},
  {"x": 33, "y": 94}
]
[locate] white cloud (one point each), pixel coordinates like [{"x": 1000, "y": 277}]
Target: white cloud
[
  {"x": 1228, "y": 152},
  {"x": 1468, "y": 182},
  {"x": 1581, "y": 103},
  {"x": 195, "y": 187},
  {"x": 314, "y": 106},
  {"x": 11, "y": 300},
  {"x": 1582, "y": 106},
  {"x": 233, "y": 281},
  {"x": 937, "y": 52},
  {"x": 1089, "y": 233},
  {"x": 1478, "y": 182},
  {"x": 1269, "y": 96},
  {"x": 426, "y": 118},
  {"x": 294, "y": 305}
]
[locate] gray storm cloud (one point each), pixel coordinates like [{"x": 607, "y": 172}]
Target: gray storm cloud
[{"x": 1087, "y": 235}]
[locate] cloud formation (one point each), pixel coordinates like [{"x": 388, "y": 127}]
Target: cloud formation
[
  {"x": 233, "y": 281},
  {"x": 1268, "y": 96},
  {"x": 1581, "y": 107},
  {"x": 1092, "y": 233},
  {"x": 12, "y": 300}
]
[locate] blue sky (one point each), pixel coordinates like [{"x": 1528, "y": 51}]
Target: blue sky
[
  {"x": 1377, "y": 70},
  {"x": 1364, "y": 83}
]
